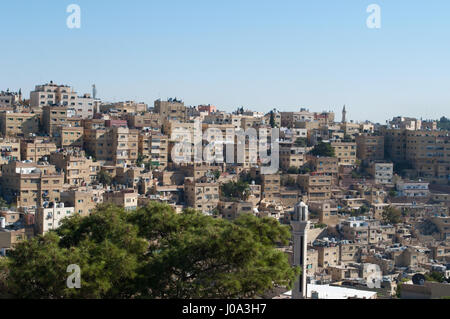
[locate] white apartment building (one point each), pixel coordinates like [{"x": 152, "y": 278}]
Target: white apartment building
[
  {"x": 84, "y": 107},
  {"x": 50, "y": 218},
  {"x": 413, "y": 189},
  {"x": 63, "y": 95},
  {"x": 383, "y": 173}
]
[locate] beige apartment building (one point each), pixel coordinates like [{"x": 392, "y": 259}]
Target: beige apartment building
[
  {"x": 232, "y": 210},
  {"x": 171, "y": 110},
  {"x": 125, "y": 108},
  {"x": 395, "y": 144},
  {"x": 328, "y": 256},
  {"x": 223, "y": 118},
  {"x": 288, "y": 119},
  {"x": 36, "y": 148},
  {"x": 270, "y": 187},
  {"x": 134, "y": 177},
  {"x": 429, "y": 153},
  {"x": 51, "y": 94},
  {"x": 19, "y": 124},
  {"x": 144, "y": 121},
  {"x": 325, "y": 210},
  {"x": 117, "y": 145},
  {"x": 325, "y": 165},
  {"x": 10, "y": 99},
  {"x": 31, "y": 185},
  {"x": 316, "y": 186},
  {"x": 84, "y": 201},
  {"x": 11, "y": 237},
  {"x": 291, "y": 157},
  {"x": 370, "y": 148},
  {"x": 53, "y": 117},
  {"x": 127, "y": 198},
  {"x": 78, "y": 170},
  {"x": 69, "y": 137},
  {"x": 9, "y": 150},
  {"x": 155, "y": 148},
  {"x": 345, "y": 152},
  {"x": 350, "y": 252},
  {"x": 201, "y": 196}
]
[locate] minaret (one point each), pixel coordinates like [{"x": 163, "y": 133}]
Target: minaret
[
  {"x": 300, "y": 226},
  {"x": 344, "y": 115}
]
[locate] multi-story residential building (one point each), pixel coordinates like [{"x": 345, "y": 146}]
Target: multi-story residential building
[
  {"x": 19, "y": 124},
  {"x": 53, "y": 94},
  {"x": 443, "y": 226},
  {"x": 326, "y": 211},
  {"x": 69, "y": 137},
  {"x": 31, "y": 185},
  {"x": 223, "y": 118},
  {"x": 154, "y": 147},
  {"x": 50, "y": 217},
  {"x": 118, "y": 145},
  {"x": 270, "y": 187},
  {"x": 232, "y": 210},
  {"x": 53, "y": 117},
  {"x": 350, "y": 252},
  {"x": 395, "y": 144},
  {"x": 78, "y": 170},
  {"x": 325, "y": 165},
  {"x": 207, "y": 108},
  {"x": 288, "y": 119},
  {"x": 370, "y": 148},
  {"x": 11, "y": 236},
  {"x": 10, "y": 99},
  {"x": 406, "y": 123},
  {"x": 124, "y": 108},
  {"x": 35, "y": 149},
  {"x": 413, "y": 188},
  {"x": 200, "y": 195},
  {"x": 171, "y": 110},
  {"x": 324, "y": 117},
  {"x": 84, "y": 106},
  {"x": 291, "y": 156},
  {"x": 429, "y": 154},
  {"x": 9, "y": 150},
  {"x": 345, "y": 152},
  {"x": 146, "y": 121},
  {"x": 83, "y": 200},
  {"x": 328, "y": 255},
  {"x": 382, "y": 172},
  {"x": 127, "y": 198},
  {"x": 316, "y": 186},
  {"x": 134, "y": 177}
]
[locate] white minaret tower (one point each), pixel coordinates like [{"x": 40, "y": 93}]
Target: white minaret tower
[{"x": 300, "y": 226}]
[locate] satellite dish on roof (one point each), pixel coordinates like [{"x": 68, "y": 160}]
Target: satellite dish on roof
[{"x": 418, "y": 279}]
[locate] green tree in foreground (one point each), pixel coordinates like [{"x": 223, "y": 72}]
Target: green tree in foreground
[
  {"x": 323, "y": 150},
  {"x": 151, "y": 253}
]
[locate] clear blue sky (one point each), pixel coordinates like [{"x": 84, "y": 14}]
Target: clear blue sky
[{"x": 256, "y": 53}]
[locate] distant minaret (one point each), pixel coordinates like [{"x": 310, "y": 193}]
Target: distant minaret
[
  {"x": 344, "y": 115},
  {"x": 94, "y": 92},
  {"x": 300, "y": 226}
]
